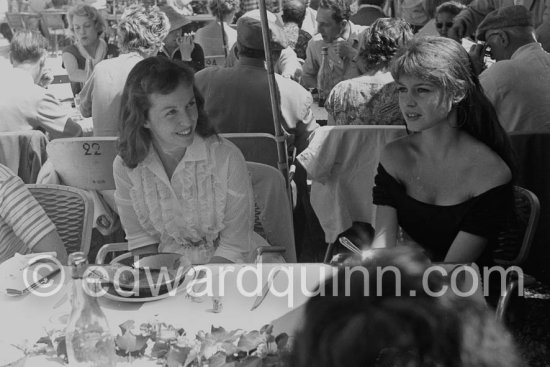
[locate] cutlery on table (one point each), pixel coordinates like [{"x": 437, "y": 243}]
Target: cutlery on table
[
  {"x": 265, "y": 291},
  {"x": 344, "y": 241},
  {"x": 43, "y": 280}
]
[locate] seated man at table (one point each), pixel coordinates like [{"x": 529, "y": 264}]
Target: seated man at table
[
  {"x": 24, "y": 226},
  {"x": 24, "y": 102},
  {"x": 237, "y": 99}
]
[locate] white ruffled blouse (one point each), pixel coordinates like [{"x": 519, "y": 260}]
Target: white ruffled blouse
[{"x": 206, "y": 209}]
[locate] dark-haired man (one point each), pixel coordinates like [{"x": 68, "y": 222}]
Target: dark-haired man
[
  {"x": 340, "y": 36},
  {"x": 24, "y": 102}
]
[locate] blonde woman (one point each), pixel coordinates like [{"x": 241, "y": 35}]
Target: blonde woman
[{"x": 87, "y": 26}]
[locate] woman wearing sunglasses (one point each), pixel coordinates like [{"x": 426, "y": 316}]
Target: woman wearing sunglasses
[{"x": 444, "y": 16}]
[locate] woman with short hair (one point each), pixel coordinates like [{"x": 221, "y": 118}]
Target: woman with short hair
[
  {"x": 140, "y": 34},
  {"x": 87, "y": 26},
  {"x": 371, "y": 98},
  {"x": 449, "y": 184},
  {"x": 210, "y": 36}
]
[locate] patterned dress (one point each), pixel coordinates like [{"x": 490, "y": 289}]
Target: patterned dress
[{"x": 365, "y": 100}]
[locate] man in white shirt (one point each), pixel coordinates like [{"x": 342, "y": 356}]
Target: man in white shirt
[
  {"x": 340, "y": 36},
  {"x": 518, "y": 84},
  {"x": 24, "y": 103}
]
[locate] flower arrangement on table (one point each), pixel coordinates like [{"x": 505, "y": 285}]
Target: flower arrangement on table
[{"x": 169, "y": 346}]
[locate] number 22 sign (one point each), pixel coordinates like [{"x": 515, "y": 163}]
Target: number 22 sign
[{"x": 91, "y": 149}]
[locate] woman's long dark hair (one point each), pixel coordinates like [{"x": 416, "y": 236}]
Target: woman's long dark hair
[
  {"x": 152, "y": 75},
  {"x": 446, "y": 63}
]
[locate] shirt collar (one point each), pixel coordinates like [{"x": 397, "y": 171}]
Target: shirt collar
[
  {"x": 525, "y": 50},
  {"x": 165, "y": 51},
  {"x": 250, "y": 61},
  {"x": 195, "y": 152}
]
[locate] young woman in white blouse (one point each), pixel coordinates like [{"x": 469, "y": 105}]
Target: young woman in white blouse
[{"x": 179, "y": 187}]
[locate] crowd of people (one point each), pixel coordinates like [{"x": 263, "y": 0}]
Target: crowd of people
[
  {"x": 182, "y": 188},
  {"x": 456, "y": 109}
]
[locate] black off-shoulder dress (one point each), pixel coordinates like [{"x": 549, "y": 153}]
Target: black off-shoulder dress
[{"x": 435, "y": 227}]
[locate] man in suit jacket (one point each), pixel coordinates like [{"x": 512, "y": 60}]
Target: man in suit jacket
[{"x": 368, "y": 12}]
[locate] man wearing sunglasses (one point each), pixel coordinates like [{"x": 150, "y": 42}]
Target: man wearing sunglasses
[
  {"x": 518, "y": 84},
  {"x": 445, "y": 15}
]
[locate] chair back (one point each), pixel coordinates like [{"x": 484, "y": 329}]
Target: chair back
[
  {"x": 215, "y": 60},
  {"x": 515, "y": 242},
  {"x": 71, "y": 210},
  {"x": 86, "y": 163},
  {"x": 53, "y": 20},
  {"x": 31, "y": 20},
  {"x": 256, "y": 147},
  {"x": 341, "y": 161},
  {"x": 273, "y": 214},
  {"x": 15, "y": 21}
]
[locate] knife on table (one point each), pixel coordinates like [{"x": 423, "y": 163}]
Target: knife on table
[{"x": 265, "y": 291}]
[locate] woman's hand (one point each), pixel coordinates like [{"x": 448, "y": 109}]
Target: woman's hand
[{"x": 186, "y": 45}]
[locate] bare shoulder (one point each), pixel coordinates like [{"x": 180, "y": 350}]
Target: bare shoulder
[
  {"x": 398, "y": 154},
  {"x": 488, "y": 168}
]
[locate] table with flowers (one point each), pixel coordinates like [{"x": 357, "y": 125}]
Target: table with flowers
[{"x": 216, "y": 324}]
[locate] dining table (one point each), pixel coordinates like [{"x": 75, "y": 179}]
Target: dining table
[
  {"x": 246, "y": 297},
  {"x": 225, "y": 299}
]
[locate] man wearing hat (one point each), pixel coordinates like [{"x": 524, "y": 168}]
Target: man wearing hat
[
  {"x": 237, "y": 99},
  {"x": 467, "y": 21},
  {"x": 518, "y": 84},
  {"x": 180, "y": 44}
]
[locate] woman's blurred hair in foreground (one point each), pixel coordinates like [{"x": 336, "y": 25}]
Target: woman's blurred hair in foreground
[{"x": 392, "y": 327}]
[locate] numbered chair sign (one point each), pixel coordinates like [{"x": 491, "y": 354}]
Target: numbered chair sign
[
  {"x": 86, "y": 163},
  {"x": 214, "y": 61}
]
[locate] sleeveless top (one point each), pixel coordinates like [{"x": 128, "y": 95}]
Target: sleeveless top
[
  {"x": 76, "y": 87},
  {"x": 435, "y": 227}
]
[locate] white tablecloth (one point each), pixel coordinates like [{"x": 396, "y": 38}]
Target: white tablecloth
[{"x": 28, "y": 317}]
